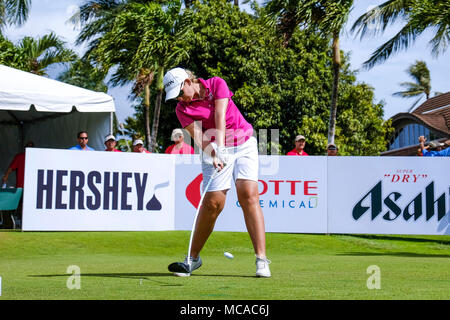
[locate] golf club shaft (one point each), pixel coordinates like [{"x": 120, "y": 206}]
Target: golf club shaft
[{"x": 196, "y": 215}]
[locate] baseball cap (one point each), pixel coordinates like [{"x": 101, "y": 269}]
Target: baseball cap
[
  {"x": 332, "y": 145},
  {"x": 300, "y": 137},
  {"x": 173, "y": 82},
  {"x": 137, "y": 141},
  {"x": 176, "y": 132},
  {"x": 110, "y": 137}
]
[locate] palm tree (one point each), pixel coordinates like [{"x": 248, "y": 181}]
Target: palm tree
[
  {"x": 97, "y": 18},
  {"x": 82, "y": 73},
  {"x": 44, "y": 51},
  {"x": 421, "y": 85},
  {"x": 143, "y": 41},
  {"x": 327, "y": 17},
  {"x": 14, "y": 12},
  {"x": 419, "y": 15}
]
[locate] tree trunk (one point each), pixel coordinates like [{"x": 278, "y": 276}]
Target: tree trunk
[
  {"x": 147, "y": 114},
  {"x": 236, "y": 3},
  {"x": 160, "y": 87},
  {"x": 334, "y": 94}
]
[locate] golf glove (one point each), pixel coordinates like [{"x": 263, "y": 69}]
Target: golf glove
[{"x": 223, "y": 155}]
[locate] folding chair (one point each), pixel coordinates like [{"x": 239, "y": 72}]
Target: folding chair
[{"x": 9, "y": 201}]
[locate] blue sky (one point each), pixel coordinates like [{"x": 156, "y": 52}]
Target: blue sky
[{"x": 51, "y": 15}]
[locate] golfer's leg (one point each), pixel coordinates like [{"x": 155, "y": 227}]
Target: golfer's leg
[
  {"x": 248, "y": 196},
  {"x": 213, "y": 204}
]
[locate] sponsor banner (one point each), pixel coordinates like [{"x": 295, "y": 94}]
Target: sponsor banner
[
  {"x": 292, "y": 190},
  {"x": 69, "y": 190},
  {"x": 100, "y": 191},
  {"x": 388, "y": 195}
]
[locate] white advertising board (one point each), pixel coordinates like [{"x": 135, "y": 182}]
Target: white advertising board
[
  {"x": 102, "y": 191},
  {"x": 388, "y": 195},
  {"x": 69, "y": 190}
]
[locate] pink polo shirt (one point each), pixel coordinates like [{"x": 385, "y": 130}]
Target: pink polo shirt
[{"x": 237, "y": 129}]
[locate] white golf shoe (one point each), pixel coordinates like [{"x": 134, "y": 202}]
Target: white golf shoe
[{"x": 262, "y": 267}]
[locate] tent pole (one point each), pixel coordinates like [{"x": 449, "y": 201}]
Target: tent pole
[
  {"x": 111, "y": 118},
  {"x": 22, "y": 136}
]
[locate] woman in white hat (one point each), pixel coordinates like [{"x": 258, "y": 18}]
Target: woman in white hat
[
  {"x": 179, "y": 146},
  {"x": 110, "y": 143},
  {"x": 205, "y": 110}
]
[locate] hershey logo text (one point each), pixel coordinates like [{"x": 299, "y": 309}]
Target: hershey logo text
[{"x": 92, "y": 191}]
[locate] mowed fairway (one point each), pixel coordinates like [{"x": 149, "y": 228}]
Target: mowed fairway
[{"x": 133, "y": 265}]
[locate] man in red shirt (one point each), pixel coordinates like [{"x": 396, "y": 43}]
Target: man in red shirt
[
  {"x": 300, "y": 142},
  {"x": 179, "y": 147},
  {"x": 110, "y": 143},
  {"x": 18, "y": 165}
]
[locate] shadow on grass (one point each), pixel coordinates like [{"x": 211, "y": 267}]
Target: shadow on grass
[
  {"x": 140, "y": 276},
  {"x": 395, "y": 254},
  {"x": 134, "y": 276}
]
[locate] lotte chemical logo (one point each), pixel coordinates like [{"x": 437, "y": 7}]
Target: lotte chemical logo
[{"x": 279, "y": 193}]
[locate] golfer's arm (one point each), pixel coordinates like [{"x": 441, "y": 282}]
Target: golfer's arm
[{"x": 219, "y": 118}]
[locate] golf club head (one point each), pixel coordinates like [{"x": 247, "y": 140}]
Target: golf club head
[{"x": 179, "y": 267}]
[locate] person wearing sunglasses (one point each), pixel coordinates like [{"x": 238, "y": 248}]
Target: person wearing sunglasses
[
  {"x": 82, "y": 145},
  {"x": 332, "y": 150}
]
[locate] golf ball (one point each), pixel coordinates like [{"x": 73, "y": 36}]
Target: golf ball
[{"x": 228, "y": 255}]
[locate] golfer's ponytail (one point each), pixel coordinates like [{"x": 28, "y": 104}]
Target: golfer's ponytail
[{"x": 191, "y": 75}]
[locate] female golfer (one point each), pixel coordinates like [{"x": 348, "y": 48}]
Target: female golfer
[{"x": 206, "y": 111}]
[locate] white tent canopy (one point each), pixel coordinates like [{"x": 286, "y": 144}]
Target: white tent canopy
[{"x": 49, "y": 113}]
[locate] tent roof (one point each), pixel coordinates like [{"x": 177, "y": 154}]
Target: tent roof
[{"x": 19, "y": 90}]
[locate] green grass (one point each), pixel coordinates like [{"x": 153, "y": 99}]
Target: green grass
[{"x": 133, "y": 265}]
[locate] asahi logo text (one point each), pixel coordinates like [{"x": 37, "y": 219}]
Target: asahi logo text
[{"x": 379, "y": 203}]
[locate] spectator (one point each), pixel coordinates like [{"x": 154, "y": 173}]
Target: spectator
[
  {"x": 300, "y": 142},
  {"x": 179, "y": 147},
  {"x": 18, "y": 165},
  {"x": 138, "y": 146},
  {"x": 110, "y": 143},
  {"x": 434, "y": 150},
  {"x": 419, "y": 152},
  {"x": 332, "y": 150},
  {"x": 82, "y": 137}
]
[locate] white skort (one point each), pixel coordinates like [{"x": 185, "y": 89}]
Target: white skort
[{"x": 244, "y": 165}]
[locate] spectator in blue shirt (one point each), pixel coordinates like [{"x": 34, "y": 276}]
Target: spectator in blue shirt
[
  {"x": 83, "y": 139},
  {"x": 433, "y": 145}
]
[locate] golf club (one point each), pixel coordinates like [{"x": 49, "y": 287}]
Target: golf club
[
  {"x": 196, "y": 215},
  {"x": 179, "y": 268}
]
